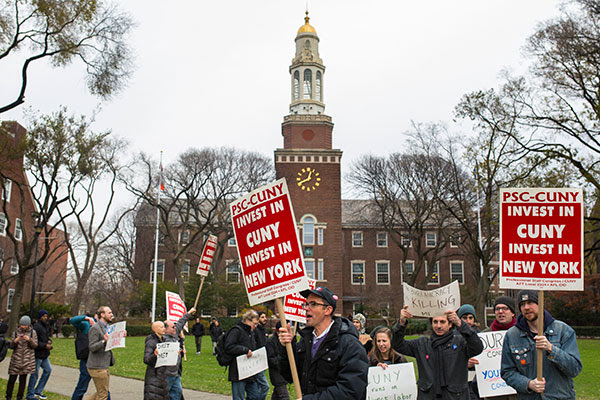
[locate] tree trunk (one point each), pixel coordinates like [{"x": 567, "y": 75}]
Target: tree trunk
[{"x": 17, "y": 300}]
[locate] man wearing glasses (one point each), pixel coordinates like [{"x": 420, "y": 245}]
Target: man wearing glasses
[{"x": 331, "y": 361}]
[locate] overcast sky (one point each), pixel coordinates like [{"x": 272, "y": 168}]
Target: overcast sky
[{"x": 216, "y": 73}]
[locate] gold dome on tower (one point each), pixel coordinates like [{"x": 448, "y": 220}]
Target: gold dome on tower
[{"x": 307, "y": 28}]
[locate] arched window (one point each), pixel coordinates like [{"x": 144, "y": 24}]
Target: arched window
[
  {"x": 296, "y": 85},
  {"x": 307, "y": 87},
  {"x": 318, "y": 86},
  {"x": 308, "y": 230}
]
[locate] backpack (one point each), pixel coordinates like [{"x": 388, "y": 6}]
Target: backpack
[
  {"x": 223, "y": 357},
  {"x": 3, "y": 349}
]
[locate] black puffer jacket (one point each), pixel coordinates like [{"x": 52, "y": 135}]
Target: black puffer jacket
[
  {"x": 273, "y": 347},
  {"x": 43, "y": 334},
  {"x": 465, "y": 344},
  {"x": 239, "y": 341},
  {"x": 155, "y": 380},
  {"x": 339, "y": 369}
]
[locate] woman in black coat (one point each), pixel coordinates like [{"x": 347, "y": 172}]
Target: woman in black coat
[{"x": 155, "y": 380}]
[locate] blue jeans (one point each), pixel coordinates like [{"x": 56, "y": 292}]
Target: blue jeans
[
  {"x": 175, "y": 389},
  {"x": 83, "y": 382},
  {"x": 263, "y": 385},
  {"x": 32, "y": 389},
  {"x": 241, "y": 388}
]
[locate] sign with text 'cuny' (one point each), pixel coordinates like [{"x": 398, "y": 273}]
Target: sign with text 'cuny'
[
  {"x": 175, "y": 307},
  {"x": 396, "y": 382},
  {"x": 207, "y": 256},
  {"x": 292, "y": 306},
  {"x": 267, "y": 242},
  {"x": 541, "y": 238},
  {"x": 430, "y": 303}
]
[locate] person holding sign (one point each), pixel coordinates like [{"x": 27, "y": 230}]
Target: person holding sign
[
  {"x": 331, "y": 361},
  {"x": 442, "y": 358},
  {"x": 561, "y": 357},
  {"x": 383, "y": 354},
  {"x": 172, "y": 332},
  {"x": 99, "y": 359},
  {"x": 155, "y": 380}
]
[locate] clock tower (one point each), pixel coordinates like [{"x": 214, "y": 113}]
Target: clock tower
[{"x": 311, "y": 165}]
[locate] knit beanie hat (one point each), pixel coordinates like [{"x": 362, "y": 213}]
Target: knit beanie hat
[
  {"x": 466, "y": 309},
  {"x": 361, "y": 319},
  {"x": 527, "y": 295},
  {"x": 25, "y": 320},
  {"x": 507, "y": 301}
]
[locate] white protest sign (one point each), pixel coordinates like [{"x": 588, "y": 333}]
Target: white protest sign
[
  {"x": 487, "y": 371},
  {"x": 207, "y": 256},
  {"x": 429, "y": 303},
  {"x": 116, "y": 335},
  {"x": 175, "y": 307},
  {"x": 293, "y": 305},
  {"x": 167, "y": 354},
  {"x": 396, "y": 382},
  {"x": 248, "y": 366}
]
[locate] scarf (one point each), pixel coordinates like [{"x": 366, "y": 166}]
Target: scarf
[
  {"x": 524, "y": 326},
  {"x": 496, "y": 326},
  {"x": 438, "y": 343}
]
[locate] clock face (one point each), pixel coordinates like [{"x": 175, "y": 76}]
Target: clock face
[{"x": 308, "y": 179}]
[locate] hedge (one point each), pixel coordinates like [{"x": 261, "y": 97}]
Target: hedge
[{"x": 590, "y": 331}]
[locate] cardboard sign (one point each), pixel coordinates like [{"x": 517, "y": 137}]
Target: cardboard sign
[
  {"x": 175, "y": 308},
  {"x": 267, "y": 243},
  {"x": 541, "y": 239},
  {"x": 292, "y": 306},
  {"x": 487, "y": 371},
  {"x": 116, "y": 335},
  {"x": 168, "y": 354},
  {"x": 253, "y": 365},
  {"x": 430, "y": 303},
  {"x": 396, "y": 382},
  {"x": 207, "y": 256}
]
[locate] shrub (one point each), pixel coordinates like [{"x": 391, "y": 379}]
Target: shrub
[
  {"x": 592, "y": 331},
  {"x": 138, "y": 330},
  {"x": 67, "y": 330}
]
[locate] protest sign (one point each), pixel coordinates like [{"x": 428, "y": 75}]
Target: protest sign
[
  {"x": 292, "y": 305},
  {"x": 175, "y": 307},
  {"x": 267, "y": 243},
  {"x": 396, "y": 382},
  {"x": 541, "y": 239},
  {"x": 207, "y": 256},
  {"x": 429, "y": 303},
  {"x": 116, "y": 335},
  {"x": 167, "y": 354},
  {"x": 489, "y": 382},
  {"x": 248, "y": 366}
]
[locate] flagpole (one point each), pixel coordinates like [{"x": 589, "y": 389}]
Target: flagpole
[
  {"x": 160, "y": 183},
  {"x": 478, "y": 216}
]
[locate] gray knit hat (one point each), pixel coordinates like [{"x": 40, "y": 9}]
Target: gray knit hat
[{"x": 25, "y": 320}]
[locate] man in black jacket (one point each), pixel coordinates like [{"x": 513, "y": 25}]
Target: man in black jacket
[
  {"x": 241, "y": 340},
  {"x": 155, "y": 380},
  {"x": 280, "y": 391},
  {"x": 331, "y": 361},
  {"x": 261, "y": 341},
  {"x": 442, "y": 358},
  {"x": 198, "y": 332},
  {"x": 42, "y": 352}
]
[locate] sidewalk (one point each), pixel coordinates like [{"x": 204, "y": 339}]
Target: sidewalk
[{"x": 64, "y": 379}]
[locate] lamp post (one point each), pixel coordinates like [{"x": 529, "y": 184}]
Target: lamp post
[{"x": 38, "y": 230}]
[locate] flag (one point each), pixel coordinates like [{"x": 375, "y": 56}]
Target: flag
[{"x": 162, "y": 177}]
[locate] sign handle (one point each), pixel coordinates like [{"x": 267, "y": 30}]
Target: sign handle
[
  {"x": 199, "y": 290},
  {"x": 295, "y": 326},
  {"x": 288, "y": 348},
  {"x": 540, "y": 328}
]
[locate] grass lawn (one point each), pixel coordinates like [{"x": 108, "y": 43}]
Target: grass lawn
[
  {"x": 51, "y": 396},
  {"x": 201, "y": 372}
]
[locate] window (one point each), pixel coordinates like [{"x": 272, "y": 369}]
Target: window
[
  {"x": 309, "y": 264},
  {"x": 435, "y": 276},
  {"x": 18, "y": 229},
  {"x": 2, "y": 224},
  {"x": 430, "y": 239},
  {"x": 383, "y": 272},
  {"x": 160, "y": 271},
  {"x": 6, "y": 190},
  {"x": 231, "y": 242},
  {"x": 185, "y": 237},
  {"x": 185, "y": 270},
  {"x": 320, "y": 236},
  {"x": 454, "y": 239},
  {"x": 307, "y": 87},
  {"x": 308, "y": 230},
  {"x": 356, "y": 308},
  {"x": 406, "y": 242},
  {"x": 318, "y": 87},
  {"x": 320, "y": 273},
  {"x": 491, "y": 272},
  {"x": 296, "y": 85},
  {"x": 161, "y": 238},
  {"x": 308, "y": 251},
  {"x": 232, "y": 311},
  {"x": 457, "y": 272},
  {"x": 14, "y": 266},
  {"x": 409, "y": 267},
  {"x": 358, "y": 272},
  {"x": 9, "y": 299},
  {"x": 233, "y": 271},
  {"x": 357, "y": 239},
  {"x": 382, "y": 239}
]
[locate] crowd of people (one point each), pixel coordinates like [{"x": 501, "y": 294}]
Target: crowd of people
[{"x": 332, "y": 354}]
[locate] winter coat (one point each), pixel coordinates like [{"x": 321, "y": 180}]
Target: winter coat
[
  {"x": 463, "y": 345},
  {"x": 273, "y": 347},
  {"x": 43, "y": 334},
  {"x": 155, "y": 380},
  {"x": 261, "y": 335},
  {"x": 198, "y": 329},
  {"x": 339, "y": 369},
  {"x": 173, "y": 370},
  {"x": 22, "y": 360},
  {"x": 239, "y": 341},
  {"x": 82, "y": 325},
  {"x": 519, "y": 360},
  {"x": 98, "y": 358},
  {"x": 215, "y": 331}
]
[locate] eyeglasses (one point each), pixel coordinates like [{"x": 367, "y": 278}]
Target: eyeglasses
[
  {"x": 313, "y": 304},
  {"x": 501, "y": 309}
]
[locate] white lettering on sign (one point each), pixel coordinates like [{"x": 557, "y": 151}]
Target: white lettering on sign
[
  {"x": 257, "y": 198},
  {"x": 541, "y": 231},
  {"x": 263, "y": 234}
]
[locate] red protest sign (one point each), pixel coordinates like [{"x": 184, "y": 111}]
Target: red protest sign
[
  {"x": 292, "y": 306},
  {"x": 207, "y": 256},
  {"x": 541, "y": 239},
  {"x": 175, "y": 307},
  {"x": 267, "y": 242}
]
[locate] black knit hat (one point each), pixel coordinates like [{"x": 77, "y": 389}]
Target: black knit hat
[
  {"x": 507, "y": 301},
  {"x": 527, "y": 295}
]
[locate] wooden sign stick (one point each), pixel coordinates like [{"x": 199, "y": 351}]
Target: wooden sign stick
[
  {"x": 295, "y": 327},
  {"x": 289, "y": 349},
  {"x": 199, "y": 290},
  {"x": 540, "y": 332}
]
